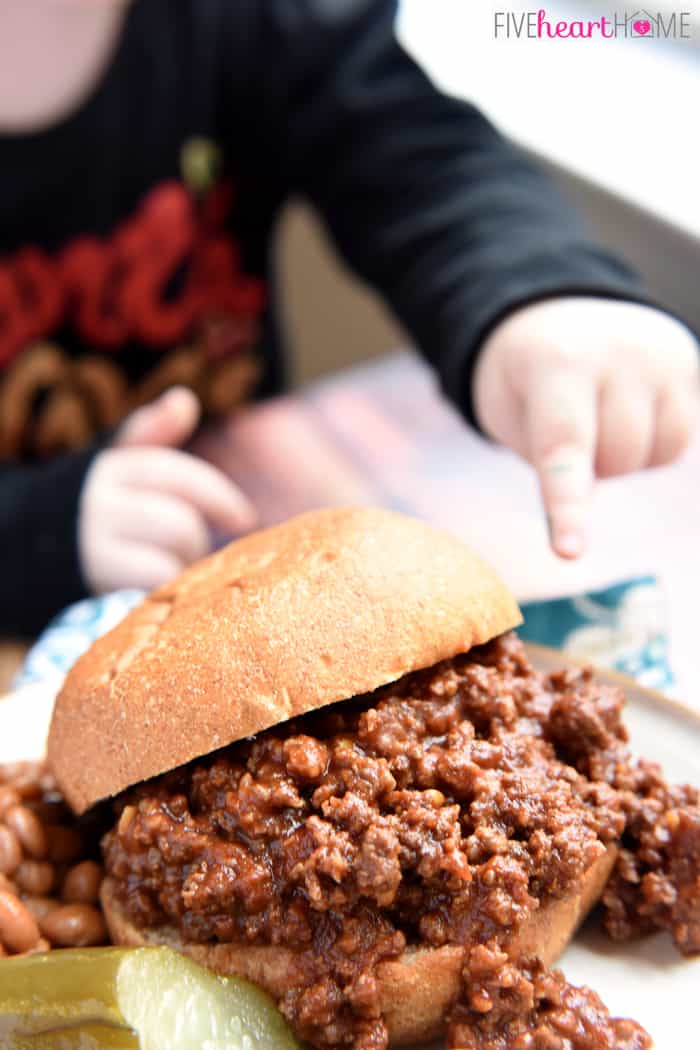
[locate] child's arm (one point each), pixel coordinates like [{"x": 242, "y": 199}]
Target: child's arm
[
  {"x": 463, "y": 235},
  {"x": 423, "y": 196},
  {"x": 39, "y": 563}
]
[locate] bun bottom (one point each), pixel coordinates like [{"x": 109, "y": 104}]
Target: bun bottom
[{"x": 416, "y": 989}]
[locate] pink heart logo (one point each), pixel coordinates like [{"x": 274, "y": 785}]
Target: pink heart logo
[{"x": 642, "y": 26}]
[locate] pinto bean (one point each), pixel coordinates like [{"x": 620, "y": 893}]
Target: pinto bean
[
  {"x": 82, "y": 883},
  {"x": 10, "y": 851},
  {"x": 36, "y": 877},
  {"x": 74, "y": 926},
  {"x": 18, "y": 929},
  {"x": 29, "y": 830},
  {"x": 49, "y": 891},
  {"x": 40, "y": 906},
  {"x": 8, "y": 798},
  {"x": 65, "y": 844}
]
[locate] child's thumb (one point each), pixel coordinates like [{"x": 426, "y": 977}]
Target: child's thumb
[{"x": 168, "y": 421}]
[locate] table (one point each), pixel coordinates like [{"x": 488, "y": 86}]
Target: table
[{"x": 381, "y": 433}]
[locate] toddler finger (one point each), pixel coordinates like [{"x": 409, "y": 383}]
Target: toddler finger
[
  {"x": 170, "y": 523},
  {"x": 190, "y": 479},
  {"x": 625, "y": 427},
  {"x": 167, "y": 421},
  {"x": 676, "y": 418},
  {"x": 140, "y": 565},
  {"x": 560, "y": 424}
]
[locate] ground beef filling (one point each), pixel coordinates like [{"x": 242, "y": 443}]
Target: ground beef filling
[
  {"x": 530, "y": 1008},
  {"x": 440, "y": 809}
]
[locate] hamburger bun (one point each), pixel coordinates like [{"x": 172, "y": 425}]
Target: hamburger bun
[
  {"x": 329, "y": 605},
  {"x": 416, "y": 989}
]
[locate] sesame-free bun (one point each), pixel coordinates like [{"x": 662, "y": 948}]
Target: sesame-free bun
[
  {"x": 416, "y": 989},
  {"x": 326, "y": 606}
]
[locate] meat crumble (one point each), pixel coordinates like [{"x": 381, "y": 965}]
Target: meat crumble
[{"x": 441, "y": 809}]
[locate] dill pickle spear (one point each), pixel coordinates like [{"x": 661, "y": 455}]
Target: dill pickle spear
[
  {"x": 142, "y": 998},
  {"x": 59, "y": 989},
  {"x": 82, "y": 1037},
  {"x": 175, "y": 1004}
]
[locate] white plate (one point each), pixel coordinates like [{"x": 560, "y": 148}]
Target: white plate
[{"x": 646, "y": 980}]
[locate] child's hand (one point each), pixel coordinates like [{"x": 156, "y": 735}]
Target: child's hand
[
  {"x": 146, "y": 506},
  {"x": 583, "y": 387}
]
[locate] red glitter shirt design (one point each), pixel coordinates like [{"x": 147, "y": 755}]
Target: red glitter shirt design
[{"x": 116, "y": 291}]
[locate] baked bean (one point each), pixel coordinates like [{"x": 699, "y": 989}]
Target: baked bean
[
  {"x": 25, "y": 778},
  {"x": 82, "y": 883},
  {"x": 41, "y": 851},
  {"x": 35, "y": 877},
  {"x": 65, "y": 844},
  {"x": 29, "y": 830},
  {"x": 50, "y": 811},
  {"x": 40, "y": 906},
  {"x": 10, "y": 851},
  {"x": 8, "y": 797},
  {"x": 12, "y": 771},
  {"x": 74, "y": 926},
  {"x": 27, "y": 787},
  {"x": 7, "y": 884},
  {"x": 18, "y": 928}
]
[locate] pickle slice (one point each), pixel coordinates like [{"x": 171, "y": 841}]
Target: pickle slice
[
  {"x": 142, "y": 998},
  {"x": 175, "y": 1004},
  {"x": 82, "y": 1037},
  {"x": 60, "y": 989}
]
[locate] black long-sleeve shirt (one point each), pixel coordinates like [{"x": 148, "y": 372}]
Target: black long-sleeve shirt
[{"x": 134, "y": 236}]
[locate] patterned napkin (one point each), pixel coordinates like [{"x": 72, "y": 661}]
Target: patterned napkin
[
  {"x": 622, "y": 626},
  {"x": 72, "y": 632}
]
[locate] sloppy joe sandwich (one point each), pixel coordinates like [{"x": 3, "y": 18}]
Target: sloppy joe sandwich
[{"x": 334, "y": 771}]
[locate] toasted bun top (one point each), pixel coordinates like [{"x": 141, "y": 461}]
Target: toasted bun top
[{"x": 326, "y": 606}]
